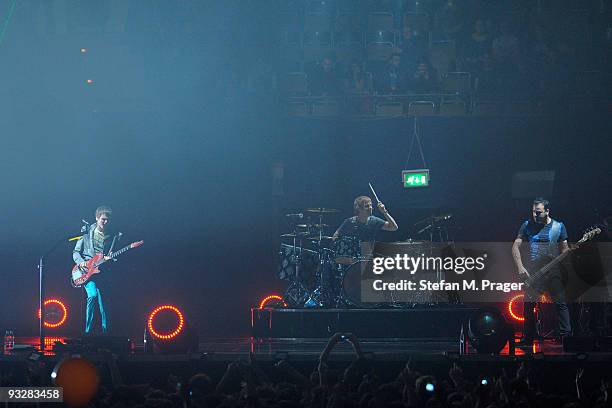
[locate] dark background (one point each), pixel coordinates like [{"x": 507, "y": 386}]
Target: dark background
[{"x": 187, "y": 165}]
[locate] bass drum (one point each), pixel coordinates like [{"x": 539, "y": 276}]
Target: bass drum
[
  {"x": 347, "y": 250},
  {"x": 353, "y": 277},
  {"x": 357, "y": 288}
]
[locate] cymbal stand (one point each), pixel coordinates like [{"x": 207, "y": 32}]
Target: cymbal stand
[
  {"x": 296, "y": 293},
  {"x": 433, "y": 227},
  {"x": 316, "y": 298}
]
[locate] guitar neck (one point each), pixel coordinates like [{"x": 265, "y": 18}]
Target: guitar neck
[
  {"x": 544, "y": 270},
  {"x": 114, "y": 255},
  {"x": 119, "y": 252}
]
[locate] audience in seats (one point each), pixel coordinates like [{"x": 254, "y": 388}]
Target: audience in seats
[
  {"x": 324, "y": 80},
  {"x": 391, "y": 79}
]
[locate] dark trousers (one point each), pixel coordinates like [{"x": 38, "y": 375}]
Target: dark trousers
[{"x": 554, "y": 286}]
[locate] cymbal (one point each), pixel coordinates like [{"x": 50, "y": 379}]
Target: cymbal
[
  {"x": 407, "y": 242},
  {"x": 316, "y": 238},
  {"x": 321, "y": 210},
  {"x": 312, "y": 225},
  {"x": 435, "y": 218},
  {"x": 298, "y": 235}
]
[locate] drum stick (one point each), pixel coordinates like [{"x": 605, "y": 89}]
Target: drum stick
[{"x": 374, "y": 192}]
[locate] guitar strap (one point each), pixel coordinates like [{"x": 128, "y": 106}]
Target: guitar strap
[
  {"x": 553, "y": 235},
  {"x": 115, "y": 239}
]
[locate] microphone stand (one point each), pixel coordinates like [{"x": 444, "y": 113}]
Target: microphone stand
[{"x": 41, "y": 289}]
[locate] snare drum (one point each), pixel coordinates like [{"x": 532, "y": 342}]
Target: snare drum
[{"x": 346, "y": 250}]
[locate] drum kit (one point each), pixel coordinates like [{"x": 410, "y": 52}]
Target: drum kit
[
  {"x": 315, "y": 264},
  {"x": 323, "y": 272}
]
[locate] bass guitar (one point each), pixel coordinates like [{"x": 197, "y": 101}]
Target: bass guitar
[
  {"x": 80, "y": 275},
  {"x": 536, "y": 279}
]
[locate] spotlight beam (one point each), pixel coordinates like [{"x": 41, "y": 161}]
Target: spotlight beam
[{"x": 7, "y": 20}]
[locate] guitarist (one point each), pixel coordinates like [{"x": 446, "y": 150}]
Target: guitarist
[
  {"x": 95, "y": 240},
  {"x": 547, "y": 238}
]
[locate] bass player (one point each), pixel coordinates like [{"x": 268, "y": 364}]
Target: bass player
[{"x": 547, "y": 238}]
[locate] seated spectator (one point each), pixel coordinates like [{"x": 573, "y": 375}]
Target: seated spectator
[
  {"x": 412, "y": 46},
  {"x": 486, "y": 78},
  {"x": 448, "y": 21},
  {"x": 391, "y": 78},
  {"x": 355, "y": 79},
  {"x": 324, "y": 81},
  {"x": 505, "y": 46},
  {"x": 423, "y": 80},
  {"x": 477, "y": 45}
]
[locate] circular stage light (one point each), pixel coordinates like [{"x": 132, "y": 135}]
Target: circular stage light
[
  {"x": 169, "y": 334},
  {"x": 512, "y": 304},
  {"x": 61, "y": 307},
  {"x": 517, "y": 313},
  {"x": 267, "y": 299}
]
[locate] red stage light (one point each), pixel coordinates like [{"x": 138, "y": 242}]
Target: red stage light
[
  {"x": 170, "y": 335},
  {"x": 62, "y": 306},
  {"x": 265, "y": 301},
  {"x": 511, "y": 303},
  {"x": 519, "y": 316}
]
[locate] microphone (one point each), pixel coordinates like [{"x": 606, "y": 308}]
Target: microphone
[{"x": 297, "y": 215}]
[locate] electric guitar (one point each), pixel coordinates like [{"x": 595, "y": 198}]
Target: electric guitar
[
  {"x": 537, "y": 278},
  {"x": 81, "y": 275}
]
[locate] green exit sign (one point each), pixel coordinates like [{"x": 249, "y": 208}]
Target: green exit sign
[{"x": 415, "y": 178}]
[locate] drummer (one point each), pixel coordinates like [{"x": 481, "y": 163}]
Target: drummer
[{"x": 364, "y": 226}]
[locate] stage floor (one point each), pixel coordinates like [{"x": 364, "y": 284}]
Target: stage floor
[{"x": 309, "y": 349}]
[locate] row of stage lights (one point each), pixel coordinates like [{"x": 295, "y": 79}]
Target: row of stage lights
[
  {"x": 514, "y": 305},
  {"x": 60, "y": 315}
]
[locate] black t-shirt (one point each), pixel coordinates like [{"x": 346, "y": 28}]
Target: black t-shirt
[{"x": 364, "y": 232}]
